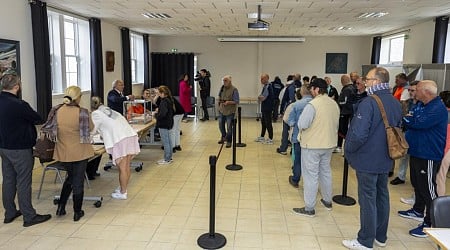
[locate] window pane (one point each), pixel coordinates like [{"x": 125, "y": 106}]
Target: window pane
[
  {"x": 71, "y": 64},
  {"x": 133, "y": 70},
  {"x": 72, "y": 79},
  {"x": 70, "y": 46},
  {"x": 69, "y": 31},
  {"x": 396, "y": 49}
]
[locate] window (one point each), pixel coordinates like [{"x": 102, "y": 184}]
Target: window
[
  {"x": 69, "y": 52},
  {"x": 447, "y": 47},
  {"x": 137, "y": 58},
  {"x": 392, "y": 49}
]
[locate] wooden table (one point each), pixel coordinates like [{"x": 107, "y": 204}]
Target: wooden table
[{"x": 441, "y": 236}]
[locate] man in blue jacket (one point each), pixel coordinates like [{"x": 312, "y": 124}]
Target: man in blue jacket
[
  {"x": 17, "y": 138},
  {"x": 116, "y": 96},
  {"x": 426, "y": 132},
  {"x": 366, "y": 150}
]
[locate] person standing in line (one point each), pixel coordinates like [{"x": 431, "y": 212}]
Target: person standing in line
[
  {"x": 318, "y": 125},
  {"x": 116, "y": 96},
  {"x": 277, "y": 86},
  {"x": 164, "y": 121},
  {"x": 266, "y": 100},
  {"x": 185, "y": 90},
  {"x": 426, "y": 132},
  {"x": 175, "y": 131},
  {"x": 120, "y": 139},
  {"x": 17, "y": 138},
  {"x": 332, "y": 91},
  {"x": 366, "y": 150},
  {"x": 303, "y": 98},
  {"x": 205, "y": 92},
  {"x": 228, "y": 101},
  {"x": 69, "y": 125},
  {"x": 346, "y": 110}
]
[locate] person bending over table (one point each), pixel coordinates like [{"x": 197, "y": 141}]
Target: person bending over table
[{"x": 120, "y": 139}]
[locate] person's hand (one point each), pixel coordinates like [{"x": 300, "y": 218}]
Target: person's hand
[{"x": 131, "y": 97}]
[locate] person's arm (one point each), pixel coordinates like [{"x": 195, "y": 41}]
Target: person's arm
[
  {"x": 235, "y": 96},
  {"x": 360, "y": 125},
  {"x": 307, "y": 117},
  {"x": 291, "y": 118},
  {"x": 30, "y": 115},
  {"x": 425, "y": 120},
  {"x": 96, "y": 120},
  {"x": 264, "y": 94}
]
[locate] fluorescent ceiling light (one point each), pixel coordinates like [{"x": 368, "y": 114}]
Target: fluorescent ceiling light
[
  {"x": 263, "y": 15},
  {"x": 372, "y": 15},
  {"x": 341, "y": 28},
  {"x": 156, "y": 15},
  {"x": 261, "y": 39}
]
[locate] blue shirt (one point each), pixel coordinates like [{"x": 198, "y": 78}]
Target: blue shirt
[{"x": 296, "y": 111}]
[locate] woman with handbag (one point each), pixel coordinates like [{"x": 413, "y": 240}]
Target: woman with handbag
[{"x": 69, "y": 126}]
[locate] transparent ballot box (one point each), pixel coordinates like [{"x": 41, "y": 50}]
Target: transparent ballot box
[{"x": 137, "y": 111}]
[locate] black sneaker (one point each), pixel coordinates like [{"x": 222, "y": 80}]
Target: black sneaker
[
  {"x": 397, "y": 181},
  {"x": 228, "y": 144},
  {"x": 327, "y": 205},
  {"x": 304, "y": 212},
  {"x": 292, "y": 182},
  {"x": 37, "y": 219},
  {"x": 390, "y": 174},
  {"x": 281, "y": 152}
]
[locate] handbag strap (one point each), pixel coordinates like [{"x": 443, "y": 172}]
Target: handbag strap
[{"x": 383, "y": 112}]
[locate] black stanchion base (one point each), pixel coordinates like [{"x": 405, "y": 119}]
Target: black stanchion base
[
  {"x": 241, "y": 144},
  {"x": 344, "y": 200},
  {"x": 233, "y": 167},
  {"x": 216, "y": 241}
]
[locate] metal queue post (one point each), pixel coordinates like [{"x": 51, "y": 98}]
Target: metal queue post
[
  {"x": 212, "y": 240},
  {"x": 233, "y": 166},
  {"x": 344, "y": 199},
  {"x": 240, "y": 144}
]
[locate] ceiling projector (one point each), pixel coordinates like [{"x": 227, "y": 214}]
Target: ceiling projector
[{"x": 258, "y": 25}]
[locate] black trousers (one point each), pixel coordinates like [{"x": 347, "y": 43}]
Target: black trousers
[
  {"x": 266, "y": 124},
  {"x": 343, "y": 128},
  {"x": 204, "y": 106},
  {"x": 423, "y": 179}
]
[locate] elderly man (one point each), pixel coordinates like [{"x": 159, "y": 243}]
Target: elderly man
[
  {"x": 332, "y": 91},
  {"x": 426, "y": 131},
  {"x": 266, "y": 100},
  {"x": 318, "y": 125},
  {"x": 116, "y": 96},
  {"x": 17, "y": 138},
  {"x": 228, "y": 101},
  {"x": 345, "y": 104},
  {"x": 366, "y": 150}
]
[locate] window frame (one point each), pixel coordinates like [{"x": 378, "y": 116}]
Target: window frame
[{"x": 387, "y": 48}]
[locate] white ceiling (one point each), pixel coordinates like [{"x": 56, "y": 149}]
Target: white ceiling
[{"x": 229, "y": 17}]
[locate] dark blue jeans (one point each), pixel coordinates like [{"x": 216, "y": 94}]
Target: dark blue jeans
[
  {"x": 284, "y": 137},
  {"x": 297, "y": 170},
  {"x": 373, "y": 197},
  {"x": 226, "y": 119}
]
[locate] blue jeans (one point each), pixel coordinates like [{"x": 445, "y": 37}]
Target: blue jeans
[
  {"x": 228, "y": 119},
  {"x": 284, "y": 137},
  {"x": 165, "y": 139},
  {"x": 297, "y": 170},
  {"x": 373, "y": 197}
]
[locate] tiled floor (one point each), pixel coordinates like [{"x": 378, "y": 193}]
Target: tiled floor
[{"x": 168, "y": 206}]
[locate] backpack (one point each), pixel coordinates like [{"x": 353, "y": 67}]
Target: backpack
[{"x": 397, "y": 144}]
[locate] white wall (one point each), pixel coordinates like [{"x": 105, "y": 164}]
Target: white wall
[
  {"x": 111, "y": 41},
  {"x": 245, "y": 61},
  {"x": 419, "y": 45},
  {"x": 15, "y": 22}
]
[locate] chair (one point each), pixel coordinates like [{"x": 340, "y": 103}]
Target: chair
[
  {"x": 439, "y": 212},
  {"x": 211, "y": 104},
  {"x": 194, "y": 105},
  {"x": 58, "y": 167}
]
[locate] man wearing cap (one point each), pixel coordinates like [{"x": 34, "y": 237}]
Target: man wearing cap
[{"x": 318, "y": 125}]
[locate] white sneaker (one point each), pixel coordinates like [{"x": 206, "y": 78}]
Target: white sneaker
[
  {"x": 164, "y": 162},
  {"x": 119, "y": 196},
  {"x": 380, "y": 244},
  {"x": 409, "y": 201},
  {"x": 117, "y": 190},
  {"x": 259, "y": 139},
  {"x": 268, "y": 142},
  {"x": 354, "y": 244},
  {"x": 337, "y": 150}
]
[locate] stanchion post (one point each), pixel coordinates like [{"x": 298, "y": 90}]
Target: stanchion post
[
  {"x": 212, "y": 240},
  {"x": 234, "y": 166},
  {"x": 240, "y": 144},
  {"x": 344, "y": 199}
]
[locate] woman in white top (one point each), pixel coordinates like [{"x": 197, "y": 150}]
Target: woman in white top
[{"x": 120, "y": 140}]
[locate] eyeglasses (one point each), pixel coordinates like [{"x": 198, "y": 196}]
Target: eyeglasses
[{"x": 411, "y": 90}]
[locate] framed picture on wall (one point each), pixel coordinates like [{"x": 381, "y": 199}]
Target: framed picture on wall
[
  {"x": 9, "y": 56},
  {"x": 110, "y": 61},
  {"x": 336, "y": 63}
]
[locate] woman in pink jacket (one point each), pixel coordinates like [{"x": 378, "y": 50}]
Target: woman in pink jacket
[{"x": 185, "y": 95}]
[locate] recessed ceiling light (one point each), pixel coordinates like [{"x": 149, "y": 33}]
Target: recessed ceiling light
[
  {"x": 156, "y": 15},
  {"x": 340, "y": 28},
  {"x": 372, "y": 14}
]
